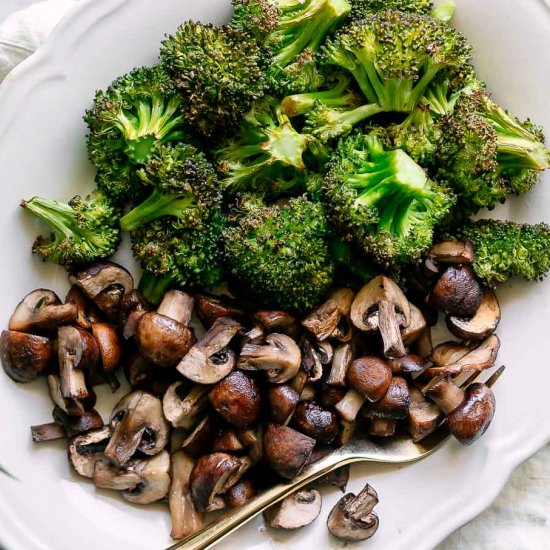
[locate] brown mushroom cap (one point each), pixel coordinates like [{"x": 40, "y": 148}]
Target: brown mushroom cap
[
  {"x": 209, "y": 308},
  {"x": 330, "y": 395},
  {"x": 395, "y": 403},
  {"x": 453, "y": 252},
  {"x": 282, "y": 400},
  {"x": 275, "y": 320},
  {"x": 444, "y": 393},
  {"x": 199, "y": 441},
  {"x": 213, "y": 474},
  {"x": 227, "y": 440},
  {"x": 482, "y": 324},
  {"x": 84, "y": 450},
  {"x": 370, "y": 376},
  {"x": 457, "y": 292},
  {"x": 138, "y": 423},
  {"x": 470, "y": 420},
  {"x": 407, "y": 364},
  {"x": 280, "y": 357},
  {"x": 76, "y": 425},
  {"x": 237, "y": 399},
  {"x": 24, "y": 356},
  {"x": 315, "y": 421},
  {"x": 106, "y": 284},
  {"x": 424, "y": 416},
  {"x": 294, "y": 511},
  {"x": 416, "y": 327},
  {"x": 286, "y": 450},
  {"x": 41, "y": 309},
  {"x": 240, "y": 493},
  {"x": 109, "y": 345},
  {"x": 87, "y": 312},
  {"x": 352, "y": 518},
  {"x": 311, "y": 361}
]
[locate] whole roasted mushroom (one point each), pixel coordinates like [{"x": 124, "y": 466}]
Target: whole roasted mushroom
[
  {"x": 210, "y": 359},
  {"x": 41, "y": 309},
  {"x": 315, "y": 421},
  {"x": 86, "y": 449},
  {"x": 352, "y": 518},
  {"x": 294, "y": 511},
  {"x": 109, "y": 346},
  {"x": 138, "y": 423},
  {"x": 184, "y": 407},
  {"x": 163, "y": 337},
  {"x": 280, "y": 357},
  {"x": 24, "y": 356},
  {"x": 381, "y": 306},
  {"x": 282, "y": 400}
]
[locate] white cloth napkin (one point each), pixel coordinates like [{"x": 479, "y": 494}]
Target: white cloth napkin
[{"x": 24, "y": 31}]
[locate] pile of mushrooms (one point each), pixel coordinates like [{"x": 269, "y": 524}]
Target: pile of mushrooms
[{"x": 222, "y": 407}]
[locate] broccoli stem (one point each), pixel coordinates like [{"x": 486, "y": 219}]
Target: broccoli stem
[
  {"x": 157, "y": 205},
  {"x": 58, "y": 216},
  {"x": 344, "y": 257},
  {"x": 153, "y": 287},
  {"x": 445, "y": 11}
]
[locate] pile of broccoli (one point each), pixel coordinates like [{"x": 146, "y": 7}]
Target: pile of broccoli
[{"x": 305, "y": 143}]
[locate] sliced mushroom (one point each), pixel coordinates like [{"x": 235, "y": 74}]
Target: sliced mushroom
[
  {"x": 381, "y": 305},
  {"x": 453, "y": 252},
  {"x": 280, "y": 357},
  {"x": 298, "y": 381},
  {"x": 252, "y": 439},
  {"x": 143, "y": 375},
  {"x": 325, "y": 351},
  {"x": 416, "y": 327},
  {"x": 424, "y": 416},
  {"x": 76, "y": 425},
  {"x": 282, "y": 400},
  {"x": 142, "y": 481},
  {"x": 348, "y": 408},
  {"x": 286, "y": 450},
  {"x": 77, "y": 352},
  {"x": 86, "y": 449},
  {"x": 183, "y": 409},
  {"x": 73, "y": 407},
  {"x": 331, "y": 318},
  {"x": 423, "y": 344},
  {"x": 227, "y": 440},
  {"x": 408, "y": 364},
  {"x": 240, "y": 493},
  {"x": 255, "y": 335},
  {"x": 352, "y": 518},
  {"x": 278, "y": 321},
  {"x": 343, "y": 355},
  {"x": 86, "y": 311},
  {"x": 186, "y": 519},
  {"x": 237, "y": 399},
  {"x": 109, "y": 346},
  {"x": 294, "y": 511},
  {"x": 106, "y": 284},
  {"x": 212, "y": 475},
  {"x": 311, "y": 361},
  {"x": 24, "y": 356},
  {"x": 41, "y": 309},
  {"x": 315, "y": 421},
  {"x": 210, "y": 308},
  {"x": 370, "y": 376},
  {"x": 48, "y": 432},
  {"x": 163, "y": 337},
  {"x": 477, "y": 358},
  {"x": 482, "y": 324},
  {"x": 210, "y": 360},
  {"x": 138, "y": 423},
  {"x": 199, "y": 441},
  {"x": 457, "y": 292}
]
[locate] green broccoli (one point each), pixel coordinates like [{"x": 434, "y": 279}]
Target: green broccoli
[
  {"x": 137, "y": 111},
  {"x": 290, "y": 33},
  {"x": 184, "y": 185},
  {"x": 217, "y": 73},
  {"x": 278, "y": 255},
  {"x": 382, "y": 200},
  {"x": 185, "y": 256},
  {"x": 506, "y": 249},
  {"x": 153, "y": 287},
  {"x": 83, "y": 230},
  {"x": 445, "y": 10},
  {"x": 486, "y": 154},
  {"x": 362, "y": 8},
  {"x": 394, "y": 56},
  {"x": 268, "y": 154}
]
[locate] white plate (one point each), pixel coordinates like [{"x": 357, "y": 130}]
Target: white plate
[{"x": 42, "y": 151}]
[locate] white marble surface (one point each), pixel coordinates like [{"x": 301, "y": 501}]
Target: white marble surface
[{"x": 519, "y": 519}]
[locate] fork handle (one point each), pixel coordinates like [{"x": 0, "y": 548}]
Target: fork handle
[{"x": 230, "y": 521}]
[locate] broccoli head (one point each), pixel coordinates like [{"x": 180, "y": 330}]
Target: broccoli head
[
  {"x": 397, "y": 77},
  {"x": 382, "y": 200},
  {"x": 506, "y": 249},
  {"x": 82, "y": 231},
  {"x": 182, "y": 255},
  {"x": 217, "y": 73},
  {"x": 278, "y": 255},
  {"x": 184, "y": 186},
  {"x": 290, "y": 32},
  {"x": 362, "y": 8},
  {"x": 268, "y": 154},
  {"x": 137, "y": 111}
]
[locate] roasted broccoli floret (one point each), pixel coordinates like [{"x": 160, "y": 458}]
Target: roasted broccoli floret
[
  {"x": 153, "y": 287},
  {"x": 83, "y": 230},
  {"x": 486, "y": 154},
  {"x": 186, "y": 256},
  {"x": 394, "y": 56},
  {"x": 268, "y": 154},
  {"x": 382, "y": 200},
  {"x": 278, "y": 255},
  {"x": 505, "y": 249},
  {"x": 184, "y": 186},
  {"x": 362, "y": 8},
  {"x": 137, "y": 111},
  {"x": 290, "y": 33},
  {"x": 217, "y": 73},
  {"x": 351, "y": 264}
]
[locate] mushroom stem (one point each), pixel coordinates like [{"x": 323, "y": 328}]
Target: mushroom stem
[
  {"x": 178, "y": 306},
  {"x": 349, "y": 407},
  {"x": 48, "y": 432},
  {"x": 444, "y": 393},
  {"x": 388, "y": 325}
]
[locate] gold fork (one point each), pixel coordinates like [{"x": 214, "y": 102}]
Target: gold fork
[{"x": 395, "y": 450}]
